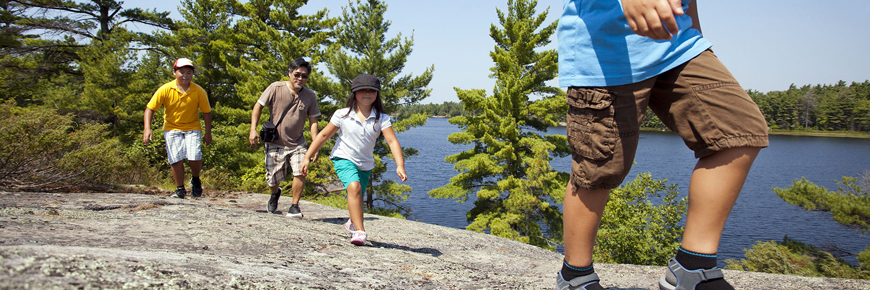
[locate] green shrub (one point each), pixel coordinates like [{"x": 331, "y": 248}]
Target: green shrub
[
  {"x": 43, "y": 150},
  {"x": 634, "y": 230},
  {"x": 792, "y": 257},
  {"x": 850, "y": 204}
]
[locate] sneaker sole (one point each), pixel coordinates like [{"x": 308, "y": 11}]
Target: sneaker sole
[
  {"x": 664, "y": 285},
  {"x": 358, "y": 243},
  {"x": 298, "y": 215}
]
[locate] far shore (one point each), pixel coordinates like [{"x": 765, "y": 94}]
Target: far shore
[
  {"x": 821, "y": 134},
  {"x": 837, "y": 134},
  {"x": 800, "y": 133}
]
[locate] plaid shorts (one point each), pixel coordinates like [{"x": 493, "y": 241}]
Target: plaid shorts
[
  {"x": 181, "y": 145},
  {"x": 279, "y": 158},
  {"x": 700, "y": 101}
]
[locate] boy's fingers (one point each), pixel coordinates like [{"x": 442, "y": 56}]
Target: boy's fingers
[
  {"x": 670, "y": 23},
  {"x": 653, "y": 19},
  {"x": 677, "y": 7}
]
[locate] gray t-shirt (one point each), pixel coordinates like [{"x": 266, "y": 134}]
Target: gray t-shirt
[{"x": 279, "y": 97}]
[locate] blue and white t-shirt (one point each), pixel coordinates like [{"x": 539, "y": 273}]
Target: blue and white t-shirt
[
  {"x": 597, "y": 47},
  {"x": 356, "y": 138}
]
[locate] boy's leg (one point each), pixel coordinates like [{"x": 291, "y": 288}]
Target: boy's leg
[
  {"x": 715, "y": 185},
  {"x": 178, "y": 173},
  {"x": 195, "y": 167},
  {"x": 716, "y": 182},
  {"x": 603, "y": 131},
  {"x": 193, "y": 143},
  {"x": 193, "y": 148},
  {"x": 582, "y": 211},
  {"x": 176, "y": 152},
  {"x": 582, "y": 215},
  {"x": 703, "y": 103}
]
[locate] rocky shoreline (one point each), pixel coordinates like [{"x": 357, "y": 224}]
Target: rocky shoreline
[{"x": 126, "y": 240}]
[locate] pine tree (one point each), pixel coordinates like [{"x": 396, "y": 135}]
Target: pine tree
[
  {"x": 361, "y": 47},
  {"x": 86, "y": 45},
  {"x": 508, "y": 169}
]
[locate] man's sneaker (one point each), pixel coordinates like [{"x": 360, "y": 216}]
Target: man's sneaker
[
  {"x": 359, "y": 238},
  {"x": 349, "y": 226},
  {"x": 273, "y": 201},
  {"x": 196, "y": 191},
  {"x": 294, "y": 211},
  {"x": 179, "y": 193},
  {"x": 580, "y": 283},
  {"x": 679, "y": 278}
]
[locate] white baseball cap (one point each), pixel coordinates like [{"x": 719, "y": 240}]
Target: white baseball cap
[{"x": 183, "y": 62}]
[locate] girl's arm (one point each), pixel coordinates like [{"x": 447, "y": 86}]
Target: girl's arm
[
  {"x": 312, "y": 121},
  {"x": 318, "y": 141},
  {"x": 396, "y": 149}
]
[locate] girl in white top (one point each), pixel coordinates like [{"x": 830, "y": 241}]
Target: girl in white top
[{"x": 360, "y": 125}]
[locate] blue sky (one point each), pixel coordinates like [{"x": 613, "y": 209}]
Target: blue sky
[{"x": 767, "y": 45}]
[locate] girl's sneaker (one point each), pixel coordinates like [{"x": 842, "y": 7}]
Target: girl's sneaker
[
  {"x": 359, "y": 238},
  {"x": 349, "y": 226}
]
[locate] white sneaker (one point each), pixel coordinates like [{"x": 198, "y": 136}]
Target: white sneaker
[
  {"x": 349, "y": 226},
  {"x": 359, "y": 238}
]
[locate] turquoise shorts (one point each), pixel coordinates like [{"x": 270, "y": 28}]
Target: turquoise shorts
[{"x": 348, "y": 172}]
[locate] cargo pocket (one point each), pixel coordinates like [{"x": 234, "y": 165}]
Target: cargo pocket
[{"x": 591, "y": 126}]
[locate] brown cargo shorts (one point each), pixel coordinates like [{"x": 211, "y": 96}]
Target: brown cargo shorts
[{"x": 700, "y": 101}]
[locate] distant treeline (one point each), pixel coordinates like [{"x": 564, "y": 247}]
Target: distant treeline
[
  {"x": 839, "y": 107},
  {"x": 446, "y": 109}
]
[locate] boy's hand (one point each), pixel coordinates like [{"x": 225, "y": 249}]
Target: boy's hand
[
  {"x": 254, "y": 138},
  {"x": 207, "y": 138},
  {"x": 146, "y": 136},
  {"x": 653, "y": 18}
]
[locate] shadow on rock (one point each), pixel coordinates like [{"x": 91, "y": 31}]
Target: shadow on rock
[
  {"x": 427, "y": 251},
  {"x": 342, "y": 220}
]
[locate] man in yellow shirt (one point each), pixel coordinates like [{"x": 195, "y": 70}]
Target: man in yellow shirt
[{"x": 181, "y": 98}]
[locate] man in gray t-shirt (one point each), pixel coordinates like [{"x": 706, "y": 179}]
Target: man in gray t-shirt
[{"x": 296, "y": 103}]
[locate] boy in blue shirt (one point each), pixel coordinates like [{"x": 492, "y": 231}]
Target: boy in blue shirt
[{"x": 617, "y": 59}]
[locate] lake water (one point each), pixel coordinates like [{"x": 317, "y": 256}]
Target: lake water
[{"x": 758, "y": 215}]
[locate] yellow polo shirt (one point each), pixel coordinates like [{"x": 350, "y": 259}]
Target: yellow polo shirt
[{"x": 181, "y": 109}]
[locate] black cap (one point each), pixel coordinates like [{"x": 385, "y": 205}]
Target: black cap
[{"x": 365, "y": 81}]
